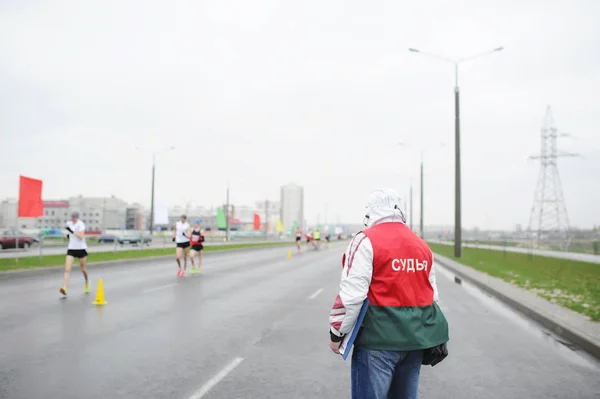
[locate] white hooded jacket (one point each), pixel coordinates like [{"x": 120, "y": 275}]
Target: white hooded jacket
[{"x": 383, "y": 206}]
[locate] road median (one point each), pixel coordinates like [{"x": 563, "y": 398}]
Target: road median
[{"x": 48, "y": 261}]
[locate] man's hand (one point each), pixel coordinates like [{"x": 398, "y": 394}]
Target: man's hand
[
  {"x": 335, "y": 346},
  {"x": 335, "y": 341}
]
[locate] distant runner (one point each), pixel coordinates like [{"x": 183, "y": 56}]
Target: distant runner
[
  {"x": 197, "y": 242},
  {"x": 317, "y": 238},
  {"x": 299, "y": 240},
  {"x": 77, "y": 248},
  {"x": 181, "y": 237},
  {"x": 308, "y": 238}
]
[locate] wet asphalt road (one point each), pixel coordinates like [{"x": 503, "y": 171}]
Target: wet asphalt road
[{"x": 252, "y": 325}]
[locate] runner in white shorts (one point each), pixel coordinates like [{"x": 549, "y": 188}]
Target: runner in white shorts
[
  {"x": 182, "y": 239},
  {"x": 77, "y": 249}
]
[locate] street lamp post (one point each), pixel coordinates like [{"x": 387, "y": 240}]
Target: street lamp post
[
  {"x": 411, "y": 204},
  {"x": 421, "y": 229},
  {"x": 227, "y": 216},
  {"x": 422, "y": 191},
  {"x": 457, "y": 178},
  {"x": 151, "y": 222}
]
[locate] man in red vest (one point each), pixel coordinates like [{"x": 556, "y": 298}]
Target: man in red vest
[{"x": 392, "y": 267}]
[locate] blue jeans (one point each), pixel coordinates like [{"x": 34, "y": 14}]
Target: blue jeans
[{"x": 380, "y": 374}]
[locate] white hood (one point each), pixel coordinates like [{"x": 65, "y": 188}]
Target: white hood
[{"x": 385, "y": 205}]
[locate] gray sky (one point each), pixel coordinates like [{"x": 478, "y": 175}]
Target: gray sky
[{"x": 265, "y": 92}]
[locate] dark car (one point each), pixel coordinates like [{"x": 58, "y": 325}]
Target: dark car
[
  {"x": 8, "y": 239},
  {"x": 106, "y": 238}
]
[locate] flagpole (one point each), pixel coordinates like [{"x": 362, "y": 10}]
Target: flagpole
[
  {"x": 17, "y": 235},
  {"x": 41, "y": 239},
  {"x": 227, "y": 216},
  {"x": 266, "y": 219}
]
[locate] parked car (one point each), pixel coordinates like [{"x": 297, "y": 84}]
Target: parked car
[
  {"x": 106, "y": 238},
  {"x": 8, "y": 239},
  {"x": 135, "y": 238}
]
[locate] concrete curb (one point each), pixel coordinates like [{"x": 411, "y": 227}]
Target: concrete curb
[
  {"x": 45, "y": 269},
  {"x": 546, "y": 319}
]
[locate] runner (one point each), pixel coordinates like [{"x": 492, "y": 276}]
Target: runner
[
  {"x": 328, "y": 237},
  {"x": 181, "y": 237},
  {"x": 317, "y": 238},
  {"x": 308, "y": 237},
  {"x": 77, "y": 248},
  {"x": 299, "y": 240},
  {"x": 197, "y": 240}
]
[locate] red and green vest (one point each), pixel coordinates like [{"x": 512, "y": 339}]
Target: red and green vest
[{"x": 402, "y": 315}]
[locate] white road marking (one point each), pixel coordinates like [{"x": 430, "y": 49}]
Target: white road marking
[
  {"x": 210, "y": 384},
  {"x": 162, "y": 287},
  {"x": 316, "y": 293}
]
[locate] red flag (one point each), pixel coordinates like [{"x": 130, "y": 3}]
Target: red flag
[
  {"x": 30, "y": 198},
  {"x": 256, "y": 221}
]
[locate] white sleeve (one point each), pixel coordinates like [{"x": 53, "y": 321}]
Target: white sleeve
[
  {"x": 433, "y": 282},
  {"x": 356, "y": 278}
]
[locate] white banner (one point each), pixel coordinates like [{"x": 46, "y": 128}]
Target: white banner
[{"x": 161, "y": 214}]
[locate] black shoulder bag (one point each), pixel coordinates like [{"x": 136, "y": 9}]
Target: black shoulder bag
[{"x": 435, "y": 355}]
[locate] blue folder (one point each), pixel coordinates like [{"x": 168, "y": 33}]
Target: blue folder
[{"x": 352, "y": 335}]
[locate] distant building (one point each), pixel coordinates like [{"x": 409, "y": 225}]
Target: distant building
[
  {"x": 208, "y": 217},
  {"x": 136, "y": 218},
  {"x": 8, "y": 213},
  {"x": 97, "y": 213},
  {"x": 292, "y": 206},
  {"x": 131, "y": 218},
  {"x": 269, "y": 212},
  {"x": 56, "y": 215},
  {"x": 100, "y": 213},
  {"x": 245, "y": 214}
]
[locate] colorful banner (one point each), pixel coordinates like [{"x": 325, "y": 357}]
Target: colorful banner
[
  {"x": 256, "y": 221},
  {"x": 221, "y": 222},
  {"x": 30, "y": 198}
]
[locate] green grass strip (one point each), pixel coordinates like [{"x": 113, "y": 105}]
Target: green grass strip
[
  {"x": 32, "y": 262},
  {"x": 571, "y": 284}
]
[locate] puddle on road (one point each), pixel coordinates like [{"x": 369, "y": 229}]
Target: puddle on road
[{"x": 565, "y": 348}]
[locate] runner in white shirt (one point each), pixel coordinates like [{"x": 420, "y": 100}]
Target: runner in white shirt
[
  {"x": 181, "y": 236},
  {"x": 77, "y": 248}
]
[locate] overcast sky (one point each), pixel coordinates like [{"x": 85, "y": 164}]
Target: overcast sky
[{"x": 262, "y": 93}]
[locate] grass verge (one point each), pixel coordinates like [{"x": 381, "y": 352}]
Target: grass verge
[
  {"x": 32, "y": 262},
  {"x": 571, "y": 284}
]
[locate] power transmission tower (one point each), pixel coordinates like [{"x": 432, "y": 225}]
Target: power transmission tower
[{"x": 549, "y": 219}]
